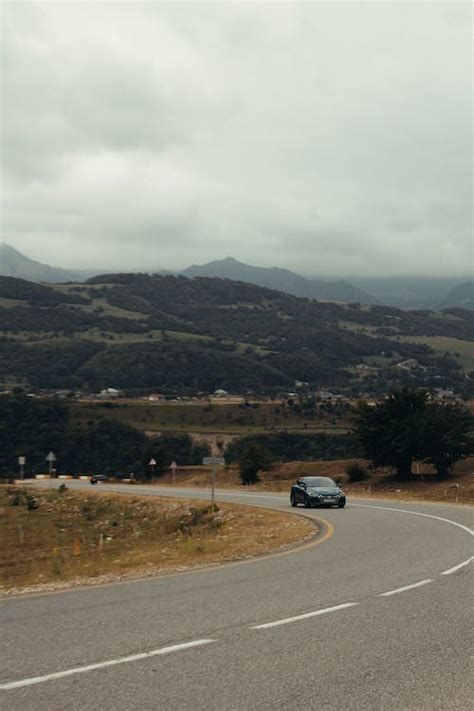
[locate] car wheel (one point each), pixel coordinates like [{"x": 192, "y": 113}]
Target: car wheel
[
  {"x": 341, "y": 504},
  {"x": 307, "y": 502},
  {"x": 292, "y": 500}
]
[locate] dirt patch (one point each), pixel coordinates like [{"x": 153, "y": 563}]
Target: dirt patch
[{"x": 52, "y": 539}]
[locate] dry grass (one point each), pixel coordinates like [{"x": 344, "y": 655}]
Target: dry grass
[
  {"x": 380, "y": 483},
  {"x": 52, "y": 538}
]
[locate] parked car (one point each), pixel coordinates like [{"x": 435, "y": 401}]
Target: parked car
[
  {"x": 98, "y": 479},
  {"x": 317, "y": 491}
]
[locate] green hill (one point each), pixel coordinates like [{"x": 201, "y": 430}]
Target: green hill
[{"x": 174, "y": 334}]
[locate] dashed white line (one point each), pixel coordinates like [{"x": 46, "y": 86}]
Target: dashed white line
[
  {"x": 305, "y": 616},
  {"x": 101, "y": 665},
  {"x": 457, "y": 567},
  {"x": 406, "y": 587}
]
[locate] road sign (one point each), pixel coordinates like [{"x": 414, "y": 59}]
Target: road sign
[
  {"x": 173, "y": 465},
  {"x": 152, "y": 463},
  {"x": 51, "y": 458},
  {"x": 21, "y": 464},
  {"x": 213, "y": 461}
]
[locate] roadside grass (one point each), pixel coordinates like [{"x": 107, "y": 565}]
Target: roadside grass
[
  {"x": 380, "y": 483},
  {"x": 54, "y": 537}
]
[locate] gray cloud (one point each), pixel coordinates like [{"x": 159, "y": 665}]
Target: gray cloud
[{"x": 332, "y": 138}]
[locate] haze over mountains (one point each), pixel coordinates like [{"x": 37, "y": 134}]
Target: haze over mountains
[
  {"x": 15, "y": 264},
  {"x": 281, "y": 280},
  {"x": 401, "y": 292}
]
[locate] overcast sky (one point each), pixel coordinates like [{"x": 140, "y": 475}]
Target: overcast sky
[{"x": 331, "y": 138}]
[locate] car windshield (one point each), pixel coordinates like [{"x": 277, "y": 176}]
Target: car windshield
[{"x": 319, "y": 481}]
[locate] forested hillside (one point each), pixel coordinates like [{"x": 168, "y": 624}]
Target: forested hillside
[{"x": 167, "y": 333}]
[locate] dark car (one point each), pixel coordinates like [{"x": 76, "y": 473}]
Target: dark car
[
  {"x": 317, "y": 491},
  {"x": 98, "y": 478}
]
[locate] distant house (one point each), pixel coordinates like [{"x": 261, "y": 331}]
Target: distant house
[
  {"x": 220, "y": 393},
  {"x": 444, "y": 394},
  {"x": 410, "y": 364},
  {"x": 324, "y": 395},
  {"x": 301, "y": 384},
  {"x": 155, "y": 397},
  {"x": 110, "y": 393}
]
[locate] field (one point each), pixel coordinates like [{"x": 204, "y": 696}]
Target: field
[
  {"x": 211, "y": 417},
  {"x": 54, "y": 539},
  {"x": 462, "y": 351}
]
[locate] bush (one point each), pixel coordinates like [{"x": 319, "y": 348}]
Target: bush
[{"x": 356, "y": 472}]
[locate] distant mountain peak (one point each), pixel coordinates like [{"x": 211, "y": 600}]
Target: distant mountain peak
[
  {"x": 15, "y": 264},
  {"x": 281, "y": 279}
]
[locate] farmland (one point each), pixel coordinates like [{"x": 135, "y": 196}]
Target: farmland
[{"x": 238, "y": 418}]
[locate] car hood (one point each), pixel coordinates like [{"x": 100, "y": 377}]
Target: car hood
[{"x": 326, "y": 491}]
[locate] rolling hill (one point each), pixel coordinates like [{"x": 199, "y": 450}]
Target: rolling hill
[
  {"x": 282, "y": 280},
  {"x": 174, "y": 334}
]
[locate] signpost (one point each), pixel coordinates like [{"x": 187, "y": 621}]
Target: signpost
[
  {"x": 213, "y": 462},
  {"x": 173, "y": 467},
  {"x": 152, "y": 465},
  {"x": 51, "y": 458},
  {"x": 21, "y": 464}
]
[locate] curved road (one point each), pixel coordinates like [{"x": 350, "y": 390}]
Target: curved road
[{"x": 378, "y": 616}]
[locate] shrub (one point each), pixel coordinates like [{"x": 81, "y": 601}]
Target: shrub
[
  {"x": 31, "y": 503},
  {"x": 356, "y": 472}
]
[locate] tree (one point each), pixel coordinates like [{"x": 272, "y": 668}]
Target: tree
[
  {"x": 390, "y": 434},
  {"x": 251, "y": 460},
  {"x": 448, "y": 436},
  {"x": 407, "y": 427}
]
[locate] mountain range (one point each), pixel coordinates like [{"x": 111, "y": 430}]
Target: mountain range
[{"x": 401, "y": 292}]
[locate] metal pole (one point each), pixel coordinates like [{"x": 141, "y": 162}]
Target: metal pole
[{"x": 213, "y": 482}]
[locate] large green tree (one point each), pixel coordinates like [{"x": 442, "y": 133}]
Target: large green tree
[
  {"x": 251, "y": 460},
  {"x": 407, "y": 427},
  {"x": 447, "y": 436}
]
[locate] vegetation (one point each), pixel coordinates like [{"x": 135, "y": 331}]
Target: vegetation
[
  {"x": 251, "y": 460},
  {"x": 407, "y": 427},
  {"x": 356, "y": 472},
  {"x": 70, "y": 536},
  {"x": 143, "y": 332},
  {"x": 287, "y": 447},
  {"x": 201, "y": 416},
  {"x": 32, "y": 428}
]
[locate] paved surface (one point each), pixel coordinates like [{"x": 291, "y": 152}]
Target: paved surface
[{"x": 265, "y": 634}]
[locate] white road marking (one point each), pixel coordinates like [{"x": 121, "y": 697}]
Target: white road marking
[
  {"x": 457, "y": 567},
  {"x": 287, "y": 620},
  {"x": 102, "y": 665},
  {"x": 406, "y": 587},
  {"x": 417, "y": 513}
]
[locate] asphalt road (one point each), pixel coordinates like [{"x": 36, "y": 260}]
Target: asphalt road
[{"x": 378, "y": 616}]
